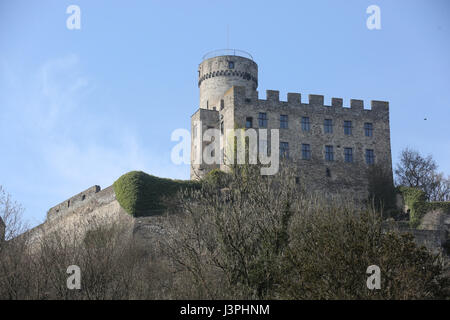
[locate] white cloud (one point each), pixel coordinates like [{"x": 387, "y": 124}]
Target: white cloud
[
  {"x": 59, "y": 142},
  {"x": 78, "y": 150}
]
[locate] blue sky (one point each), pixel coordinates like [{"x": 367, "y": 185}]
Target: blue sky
[{"x": 82, "y": 107}]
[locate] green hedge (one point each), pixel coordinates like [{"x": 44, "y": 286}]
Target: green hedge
[
  {"x": 415, "y": 199},
  {"x": 141, "y": 194}
]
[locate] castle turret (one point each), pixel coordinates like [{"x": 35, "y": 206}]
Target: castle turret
[{"x": 222, "y": 69}]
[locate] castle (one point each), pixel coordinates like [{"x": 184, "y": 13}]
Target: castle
[{"x": 332, "y": 146}]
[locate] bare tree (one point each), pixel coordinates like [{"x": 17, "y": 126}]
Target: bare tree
[
  {"x": 11, "y": 214},
  {"x": 415, "y": 170},
  {"x": 441, "y": 191},
  {"x": 268, "y": 237}
]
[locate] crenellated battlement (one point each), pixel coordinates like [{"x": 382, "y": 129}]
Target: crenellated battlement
[
  {"x": 72, "y": 203},
  {"x": 294, "y": 99},
  {"x": 332, "y": 141}
]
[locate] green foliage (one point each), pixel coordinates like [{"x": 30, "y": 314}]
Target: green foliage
[
  {"x": 217, "y": 178},
  {"x": 141, "y": 194},
  {"x": 443, "y": 205},
  {"x": 415, "y": 199},
  {"x": 333, "y": 266}
]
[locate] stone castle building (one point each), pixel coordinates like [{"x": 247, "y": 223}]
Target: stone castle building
[
  {"x": 228, "y": 99},
  {"x": 332, "y": 146}
]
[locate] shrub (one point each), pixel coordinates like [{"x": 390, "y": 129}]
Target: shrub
[
  {"x": 267, "y": 239},
  {"x": 217, "y": 178},
  {"x": 415, "y": 199},
  {"x": 113, "y": 265},
  {"x": 141, "y": 194}
]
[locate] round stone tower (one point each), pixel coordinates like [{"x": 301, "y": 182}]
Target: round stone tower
[{"x": 222, "y": 69}]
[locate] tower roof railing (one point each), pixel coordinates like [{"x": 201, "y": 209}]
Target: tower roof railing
[{"x": 227, "y": 52}]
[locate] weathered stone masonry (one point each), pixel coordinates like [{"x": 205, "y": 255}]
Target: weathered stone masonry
[{"x": 228, "y": 100}]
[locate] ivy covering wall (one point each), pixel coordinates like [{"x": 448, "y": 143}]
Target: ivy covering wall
[
  {"x": 141, "y": 194},
  {"x": 415, "y": 199}
]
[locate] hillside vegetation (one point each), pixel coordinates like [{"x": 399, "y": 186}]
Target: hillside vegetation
[
  {"x": 236, "y": 235},
  {"x": 141, "y": 194}
]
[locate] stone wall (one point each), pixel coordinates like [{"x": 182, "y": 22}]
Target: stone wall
[
  {"x": 435, "y": 220},
  {"x": 98, "y": 208},
  {"x": 216, "y": 76},
  {"x": 201, "y": 121},
  {"x": 432, "y": 239},
  {"x": 316, "y": 173},
  {"x": 73, "y": 203},
  {"x": 102, "y": 208}
]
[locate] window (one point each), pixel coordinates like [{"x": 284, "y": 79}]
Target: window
[
  {"x": 368, "y": 129},
  {"x": 221, "y": 127},
  {"x": 306, "y": 151},
  {"x": 283, "y": 121},
  {"x": 370, "y": 157},
  {"x": 347, "y": 127},
  {"x": 284, "y": 149},
  {"x": 328, "y": 172},
  {"x": 262, "y": 120},
  {"x": 231, "y": 64},
  {"x": 222, "y": 104},
  {"x": 329, "y": 154},
  {"x": 305, "y": 124},
  {"x": 328, "y": 126},
  {"x": 348, "y": 154},
  {"x": 249, "y": 122}
]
